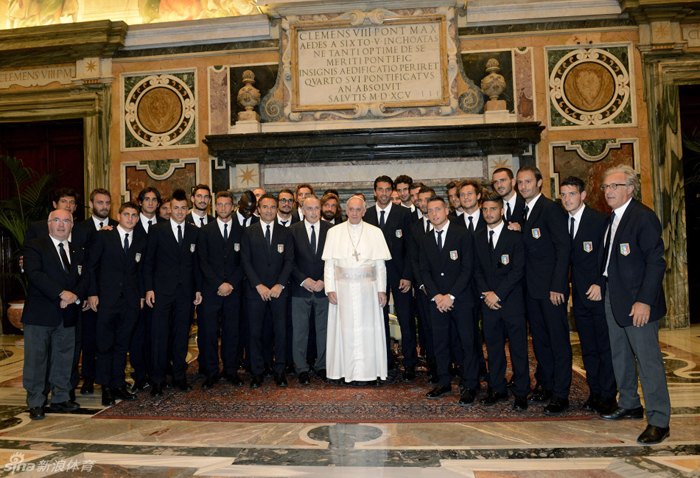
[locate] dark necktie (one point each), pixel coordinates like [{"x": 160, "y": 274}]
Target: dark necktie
[
  {"x": 313, "y": 239},
  {"x": 427, "y": 227},
  {"x": 225, "y": 232},
  {"x": 381, "y": 219},
  {"x": 201, "y": 222},
  {"x": 64, "y": 258},
  {"x": 439, "y": 233},
  {"x": 508, "y": 213},
  {"x": 471, "y": 224},
  {"x": 268, "y": 236},
  {"x": 126, "y": 243},
  {"x": 150, "y": 223},
  {"x": 608, "y": 238},
  {"x": 179, "y": 234},
  {"x": 102, "y": 224},
  {"x": 526, "y": 210},
  {"x": 571, "y": 229},
  {"x": 284, "y": 223},
  {"x": 491, "y": 239}
]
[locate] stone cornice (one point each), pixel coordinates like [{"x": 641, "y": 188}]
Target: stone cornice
[
  {"x": 282, "y": 8},
  {"x": 59, "y": 44},
  {"x": 484, "y": 12},
  {"x": 648, "y": 11}
]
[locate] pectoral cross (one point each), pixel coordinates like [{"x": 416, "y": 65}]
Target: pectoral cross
[{"x": 357, "y": 256}]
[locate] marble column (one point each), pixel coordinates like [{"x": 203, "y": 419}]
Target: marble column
[{"x": 96, "y": 143}]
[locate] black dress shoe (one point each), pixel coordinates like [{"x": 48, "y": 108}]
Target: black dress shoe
[
  {"x": 36, "y": 413},
  {"x": 280, "y": 380},
  {"x": 494, "y": 397},
  {"x": 520, "y": 404},
  {"x": 210, "y": 381},
  {"x": 256, "y": 382},
  {"x": 556, "y": 406},
  {"x": 157, "y": 390},
  {"x": 139, "y": 385},
  {"x": 408, "y": 376},
  {"x": 304, "y": 378},
  {"x": 267, "y": 371},
  {"x": 182, "y": 385},
  {"x": 653, "y": 435},
  {"x": 438, "y": 392},
  {"x": 107, "y": 397},
  {"x": 620, "y": 413},
  {"x": 321, "y": 375},
  {"x": 591, "y": 403},
  {"x": 540, "y": 394},
  {"x": 88, "y": 387},
  {"x": 605, "y": 406},
  {"x": 468, "y": 398},
  {"x": 65, "y": 407},
  {"x": 235, "y": 380},
  {"x": 122, "y": 393}
]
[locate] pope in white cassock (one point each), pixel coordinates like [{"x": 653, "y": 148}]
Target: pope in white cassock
[{"x": 355, "y": 280}]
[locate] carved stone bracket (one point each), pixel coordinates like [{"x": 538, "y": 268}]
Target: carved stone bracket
[{"x": 375, "y": 144}]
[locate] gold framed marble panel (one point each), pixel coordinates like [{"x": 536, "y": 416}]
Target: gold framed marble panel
[
  {"x": 166, "y": 175},
  {"x": 377, "y": 59},
  {"x": 591, "y": 86},
  {"x": 159, "y": 110}
]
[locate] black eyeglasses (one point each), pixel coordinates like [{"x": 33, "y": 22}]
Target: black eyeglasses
[{"x": 612, "y": 186}]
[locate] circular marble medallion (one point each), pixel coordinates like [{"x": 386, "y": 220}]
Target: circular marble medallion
[
  {"x": 589, "y": 86},
  {"x": 159, "y": 110}
]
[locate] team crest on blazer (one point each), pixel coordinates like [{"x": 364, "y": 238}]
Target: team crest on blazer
[
  {"x": 536, "y": 233},
  {"x": 236, "y": 247},
  {"x": 80, "y": 270},
  {"x": 192, "y": 247},
  {"x": 453, "y": 255},
  {"x": 625, "y": 249},
  {"x": 280, "y": 248},
  {"x": 399, "y": 233},
  {"x": 588, "y": 246},
  {"x": 138, "y": 257},
  {"x": 505, "y": 259}
]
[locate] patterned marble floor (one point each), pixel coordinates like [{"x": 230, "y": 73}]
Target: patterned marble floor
[{"x": 78, "y": 445}]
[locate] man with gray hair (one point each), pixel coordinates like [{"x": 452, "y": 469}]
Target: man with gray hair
[{"x": 633, "y": 268}]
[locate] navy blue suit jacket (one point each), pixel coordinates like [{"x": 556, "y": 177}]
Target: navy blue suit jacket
[
  {"x": 397, "y": 229},
  {"x": 585, "y": 251},
  {"x": 169, "y": 264},
  {"x": 219, "y": 260},
  {"x": 637, "y": 265},
  {"x": 263, "y": 265},
  {"x": 307, "y": 263},
  {"x": 547, "y": 248}
]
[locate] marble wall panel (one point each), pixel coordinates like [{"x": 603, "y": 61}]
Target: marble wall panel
[
  {"x": 219, "y": 100},
  {"x": 588, "y": 160},
  {"x": 165, "y": 175},
  {"x": 524, "y": 84}
]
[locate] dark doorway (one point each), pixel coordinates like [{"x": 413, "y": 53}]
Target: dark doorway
[
  {"x": 690, "y": 126},
  {"x": 47, "y": 147}
]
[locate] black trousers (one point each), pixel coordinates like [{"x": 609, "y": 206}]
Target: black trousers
[
  {"x": 496, "y": 329},
  {"x": 256, "y": 309},
  {"x": 593, "y": 334},
  {"x": 462, "y": 318},
  {"x": 403, "y": 305},
  {"x": 425, "y": 327},
  {"x": 171, "y": 321},
  {"x": 140, "y": 348},
  {"x": 549, "y": 328},
  {"x": 113, "y": 330},
  {"x": 88, "y": 345},
  {"x": 215, "y": 312}
]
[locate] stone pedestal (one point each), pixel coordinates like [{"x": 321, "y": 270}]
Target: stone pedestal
[
  {"x": 497, "y": 116},
  {"x": 495, "y": 105},
  {"x": 248, "y": 126}
]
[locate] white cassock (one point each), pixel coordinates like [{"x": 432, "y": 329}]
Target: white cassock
[{"x": 356, "y": 340}]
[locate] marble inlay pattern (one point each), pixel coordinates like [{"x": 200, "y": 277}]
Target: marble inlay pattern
[{"x": 219, "y": 100}]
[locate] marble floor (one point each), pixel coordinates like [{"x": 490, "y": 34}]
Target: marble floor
[{"x": 79, "y": 445}]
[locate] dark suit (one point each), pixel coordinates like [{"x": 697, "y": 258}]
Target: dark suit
[
  {"x": 308, "y": 265},
  {"x": 635, "y": 274},
  {"x": 269, "y": 338},
  {"x": 547, "y": 255},
  {"x": 502, "y": 271},
  {"x": 117, "y": 280},
  {"x": 397, "y": 230},
  {"x": 449, "y": 271},
  {"x": 49, "y": 330},
  {"x": 196, "y": 220},
  {"x": 267, "y": 266},
  {"x": 83, "y": 236},
  {"x": 478, "y": 226},
  {"x": 220, "y": 262},
  {"x": 592, "y": 328},
  {"x": 171, "y": 271},
  {"x": 421, "y": 299},
  {"x": 517, "y": 212}
]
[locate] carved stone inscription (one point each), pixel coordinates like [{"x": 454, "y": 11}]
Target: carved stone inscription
[{"x": 398, "y": 63}]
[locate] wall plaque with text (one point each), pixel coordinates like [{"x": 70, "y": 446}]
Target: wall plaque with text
[{"x": 401, "y": 62}]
